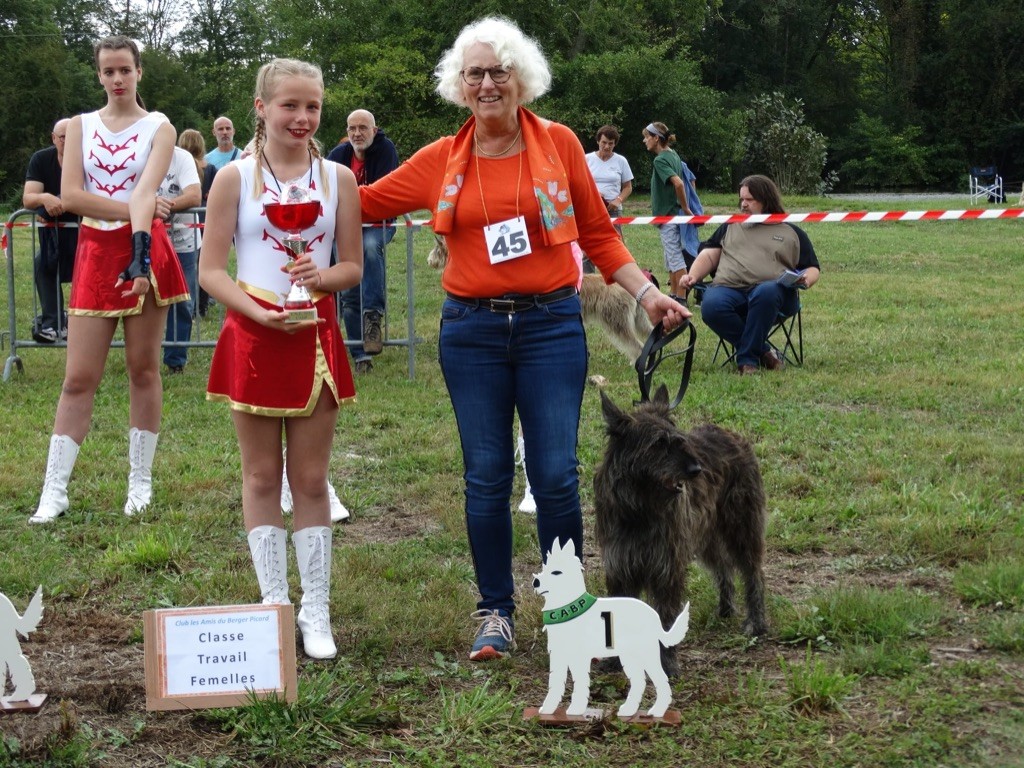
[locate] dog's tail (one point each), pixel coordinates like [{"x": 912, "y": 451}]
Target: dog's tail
[{"x": 675, "y": 635}]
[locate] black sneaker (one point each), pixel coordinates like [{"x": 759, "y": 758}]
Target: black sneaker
[
  {"x": 364, "y": 366},
  {"x": 373, "y": 335},
  {"x": 175, "y": 369},
  {"x": 45, "y": 335}
]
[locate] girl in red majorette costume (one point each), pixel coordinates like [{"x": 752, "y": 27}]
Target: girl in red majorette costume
[
  {"x": 125, "y": 268},
  {"x": 274, "y": 374}
]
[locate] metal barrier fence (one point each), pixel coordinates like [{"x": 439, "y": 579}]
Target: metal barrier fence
[
  {"x": 199, "y": 338},
  {"x": 411, "y": 227}
]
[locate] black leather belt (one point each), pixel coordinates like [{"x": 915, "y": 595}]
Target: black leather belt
[{"x": 516, "y": 302}]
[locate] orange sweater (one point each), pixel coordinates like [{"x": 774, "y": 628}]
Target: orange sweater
[{"x": 416, "y": 185}]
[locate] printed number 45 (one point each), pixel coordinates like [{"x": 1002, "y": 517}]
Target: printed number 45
[{"x": 513, "y": 245}]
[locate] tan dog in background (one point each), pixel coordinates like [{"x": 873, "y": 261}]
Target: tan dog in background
[{"x": 608, "y": 306}]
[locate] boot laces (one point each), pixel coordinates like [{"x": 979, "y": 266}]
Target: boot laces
[
  {"x": 54, "y": 462},
  {"x": 316, "y": 589},
  {"x": 268, "y": 559},
  {"x": 137, "y": 473}
]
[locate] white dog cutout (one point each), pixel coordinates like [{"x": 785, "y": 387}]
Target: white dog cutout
[
  {"x": 582, "y": 627},
  {"x": 11, "y": 658}
]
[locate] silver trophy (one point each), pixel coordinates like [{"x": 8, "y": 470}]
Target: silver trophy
[{"x": 293, "y": 216}]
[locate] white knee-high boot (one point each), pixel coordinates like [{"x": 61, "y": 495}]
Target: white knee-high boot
[
  {"x": 313, "y": 551},
  {"x": 268, "y": 546},
  {"x": 339, "y": 511},
  {"x": 53, "y": 501},
  {"x": 286, "y": 494},
  {"x": 528, "y": 504},
  {"x": 141, "y": 449}
]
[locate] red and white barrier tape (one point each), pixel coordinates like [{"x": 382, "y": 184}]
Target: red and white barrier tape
[
  {"x": 816, "y": 217},
  {"x": 827, "y": 217}
]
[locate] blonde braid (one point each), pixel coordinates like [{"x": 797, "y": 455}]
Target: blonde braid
[
  {"x": 314, "y": 148},
  {"x": 258, "y": 139}
]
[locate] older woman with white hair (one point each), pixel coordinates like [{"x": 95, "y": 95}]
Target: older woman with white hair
[{"x": 510, "y": 192}]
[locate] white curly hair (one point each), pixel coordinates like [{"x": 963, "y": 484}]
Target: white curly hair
[{"x": 514, "y": 50}]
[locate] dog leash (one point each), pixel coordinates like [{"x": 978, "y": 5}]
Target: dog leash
[{"x": 654, "y": 354}]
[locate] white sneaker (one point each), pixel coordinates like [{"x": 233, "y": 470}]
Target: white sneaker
[{"x": 338, "y": 511}]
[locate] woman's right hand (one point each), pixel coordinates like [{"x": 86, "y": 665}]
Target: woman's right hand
[{"x": 664, "y": 309}]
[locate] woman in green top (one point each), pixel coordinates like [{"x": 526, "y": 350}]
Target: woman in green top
[{"x": 672, "y": 194}]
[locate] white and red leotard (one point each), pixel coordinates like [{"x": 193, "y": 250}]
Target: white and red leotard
[
  {"x": 113, "y": 164},
  {"x": 264, "y": 371}
]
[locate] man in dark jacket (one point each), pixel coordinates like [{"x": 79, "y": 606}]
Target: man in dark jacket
[
  {"x": 370, "y": 154},
  {"x": 54, "y": 262}
]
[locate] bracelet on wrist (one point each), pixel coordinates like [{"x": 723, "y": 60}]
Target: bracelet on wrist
[{"x": 643, "y": 291}]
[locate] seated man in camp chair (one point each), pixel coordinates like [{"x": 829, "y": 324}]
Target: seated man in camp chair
[{"x": 750, "y": 263}]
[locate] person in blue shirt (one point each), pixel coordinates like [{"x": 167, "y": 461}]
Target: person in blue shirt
[{"x": 226, "y": 151}]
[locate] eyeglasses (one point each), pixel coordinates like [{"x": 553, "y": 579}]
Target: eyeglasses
[{"x": 475, "y": 75}]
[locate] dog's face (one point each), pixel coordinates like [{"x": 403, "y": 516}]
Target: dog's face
[
  {"x": 656, "y": 450},
  {"x": 561, "y": 580}
]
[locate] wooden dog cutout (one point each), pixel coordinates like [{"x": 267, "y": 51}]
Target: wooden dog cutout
[
  {"x": 581, "y": 627},
  {"x": 11, "y": 657}
]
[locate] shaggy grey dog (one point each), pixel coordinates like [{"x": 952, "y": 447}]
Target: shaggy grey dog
[{"x": 664, "y": 497}]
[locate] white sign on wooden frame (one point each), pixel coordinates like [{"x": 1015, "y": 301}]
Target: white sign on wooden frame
[{"x": 218, "y": 656}]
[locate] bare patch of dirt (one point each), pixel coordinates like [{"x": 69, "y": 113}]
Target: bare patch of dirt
[
  {"x": 391, "y": 525},
  {"x": 90, "y": 664}
]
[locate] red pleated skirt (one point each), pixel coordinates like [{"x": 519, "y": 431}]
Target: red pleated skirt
[
  {"x": 103, "y": 254},
  {"x": 271, "y": 373}
]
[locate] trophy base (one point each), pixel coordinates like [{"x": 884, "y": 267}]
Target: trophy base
[{"x": 300, "y": 314}]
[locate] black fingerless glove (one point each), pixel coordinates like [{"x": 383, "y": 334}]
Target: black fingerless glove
[{"x": 139, "y": 265}]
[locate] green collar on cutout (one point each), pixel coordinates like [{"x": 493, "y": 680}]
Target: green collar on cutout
[{"x": 568, "y": 612}]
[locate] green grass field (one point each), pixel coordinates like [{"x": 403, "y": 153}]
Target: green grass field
[{"x": 894, "y": 464}]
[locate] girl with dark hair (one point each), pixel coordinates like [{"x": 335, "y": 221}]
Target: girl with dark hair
[{"x": 125, "y": 268}]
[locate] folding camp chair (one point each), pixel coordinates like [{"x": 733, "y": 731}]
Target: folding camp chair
[
  {"x": 985, "y": 182},
  {"x": 788, "y": 332}
]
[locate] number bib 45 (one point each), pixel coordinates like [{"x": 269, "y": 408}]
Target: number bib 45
[{"x": 507, "y": 240}]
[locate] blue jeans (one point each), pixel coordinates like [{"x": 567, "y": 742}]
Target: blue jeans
[
  {"x": 533, "y": 362},
  {"x": 179, "y": 318},
  {"x": 369, "y": 294},
  {"x": 743, "y": 317}
]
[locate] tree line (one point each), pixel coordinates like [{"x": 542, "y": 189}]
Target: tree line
[{"x": 828, "y": 94}]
